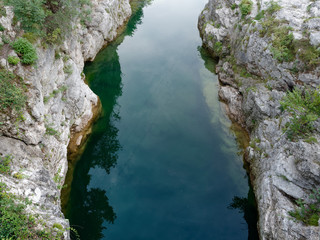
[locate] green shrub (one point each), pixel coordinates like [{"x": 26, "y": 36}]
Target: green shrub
[
  {"x": 245, "y": 7},
  {"x": 31, "y": 37},
  {"x": 68, "y": 69},
  {"x": 273, "y": 7},
  {"x": 304, "y": 108},
  {"x": 217, "y": 48},
  {"x": 308, "y": 213},
  {"x": 2, "y": 10},
  {"x": 282, "y": 44},
  {"x": 260, "y": 15},
  {"x": 26, "y": 50},
  {"x": 51, "y": 131},
  {"x": 30, "y": 13},
  {"x": 11, "y": 92},
  {"x": 1, "y": 28},
  {"x": 13, "y": 60},
  {"x": 49, "y": 18},
  {"x": 54, "y": 93},
  {"x": 57, "y": 225},
  {"x": 309, "y": 54},
  {"x": 15, "y": 223},
  {"x": 5, "y": 164},
  {"x": 5, "y": 39}
]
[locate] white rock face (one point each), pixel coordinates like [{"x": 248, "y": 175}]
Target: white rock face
[
  {"x": 282, "y": 171},
  {"x": 58, "y": 100}
]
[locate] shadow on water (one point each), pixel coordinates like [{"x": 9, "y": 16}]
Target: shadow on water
[
  {"x": 88, "y": 208},
  {"x": 245, "y": 205},
  {"x": 248, "y": 207}
]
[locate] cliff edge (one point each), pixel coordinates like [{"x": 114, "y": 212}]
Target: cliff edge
[
  {"x": 59, "y": 105},
  {"x": 269, "y": 70}
]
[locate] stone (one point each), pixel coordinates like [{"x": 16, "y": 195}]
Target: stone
[
  {"x": 282, "y": 171},
  {"x": 56, "y": 101}
]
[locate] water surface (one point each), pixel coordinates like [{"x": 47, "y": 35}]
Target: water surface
[{"x": 161, "y": 162}]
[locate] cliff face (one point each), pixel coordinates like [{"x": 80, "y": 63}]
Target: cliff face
[
  {"x": 60, "y": 105},
  {"x": 256, "y": 69}
]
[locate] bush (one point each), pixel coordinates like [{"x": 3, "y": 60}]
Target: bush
[
  {"x": 5, "y": 39},
  {"x": 15, "y": 223},
  {"x": 260, "y": 15},
  {"x": 245, "y": 7},
  {"x": 30, "y": 13},
  {"x": 5, "y": 164},
  {"x": 49, "y": 18},
  {"x": 308, "y": 213},
  {"x": 11, "y": 92},
  {"x": 218, "y": 47},
  {"x": 309, "y": 54},
  {"x": 13, "y": 60},
  {"x": 304, "y": 108},
  {"x": 26, "y": 50},
  {"x": 273, "y": 7},
  {"x": 282, "y": 44},
  {"x": 1, "y": 28}
]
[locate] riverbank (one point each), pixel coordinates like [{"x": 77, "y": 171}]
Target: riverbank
[
  {"x": 59, "y": 105},
  {"x": 266, "y": 49}
]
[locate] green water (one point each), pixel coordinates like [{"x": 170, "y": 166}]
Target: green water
[{"x": 161, "y": 163}]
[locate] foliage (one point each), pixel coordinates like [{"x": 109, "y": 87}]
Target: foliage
[
  {"x": 49, "y": 18},
  {"x": 273, "y": 7},
  {"x": 309, "y": 54},
  {"x": 11, "y": 92},
  {"x": 304, "y": 107},
  {"x": 245, "y": 7},
  {"x": 2, "y": 10},
  {"x": 51, "y": 131},
  {"x": 282, "y": 47},
  {"x": 26, "y": 50},
  {"x": 217, "y": 48},
  {"x": 1, "y": 28},
  {"x": 5, "y": 164},
  {"x": 15, "y": 223},
  {"x": 68, "y": 69},
  {"x": 54, "y": 93},
  {"x": 13, "y": 60},
  {"x": 31, "y": 37},
  {"x": 5, "y": 39},
  {"x": 234, "y": 6},
  {"x": 308, "y": 213},
  {"x": 30, "y": 13},
  {"x": 260, "y": 15}
]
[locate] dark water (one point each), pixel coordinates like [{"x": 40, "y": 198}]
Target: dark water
[{"x": 161, "y": 163}]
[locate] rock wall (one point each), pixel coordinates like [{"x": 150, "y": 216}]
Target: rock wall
[
  {"x": 58, "y": 101},
  {"x": 253, "y": 81}
]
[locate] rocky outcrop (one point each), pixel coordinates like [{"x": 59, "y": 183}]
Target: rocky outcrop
[
  {"x": 58, "y": 101},
  {"x": 256, "y": 69}
]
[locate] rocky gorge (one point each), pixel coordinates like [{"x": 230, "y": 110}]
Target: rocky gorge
[
  {"x": 59, "y": 107},
  {"x": 266, "y": 49}
]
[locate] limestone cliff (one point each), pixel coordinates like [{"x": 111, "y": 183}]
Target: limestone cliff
[
  {"x": 265, "y": 49},
  {"x": 59, "y": 105}
]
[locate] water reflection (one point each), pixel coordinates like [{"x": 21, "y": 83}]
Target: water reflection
[
  {"x": 167, "y": 183},
  {"x": 248, "y": 207},
  {"x": 88, "y": 208},
  {"x": 245, "y": 205}
]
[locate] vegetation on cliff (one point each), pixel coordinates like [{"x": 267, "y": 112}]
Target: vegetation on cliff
[
  {"x": 304, "y": 108},
  {"x": 49, "y": 19},
  {"x": 14, "y": 222}
]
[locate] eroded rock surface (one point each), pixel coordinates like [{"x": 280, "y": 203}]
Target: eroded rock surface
[
  {"x": 253, "y": 82},
  {"x": 58, "y": 101}
]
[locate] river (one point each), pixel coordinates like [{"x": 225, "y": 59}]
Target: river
[{"x": 161, "y": 162}]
